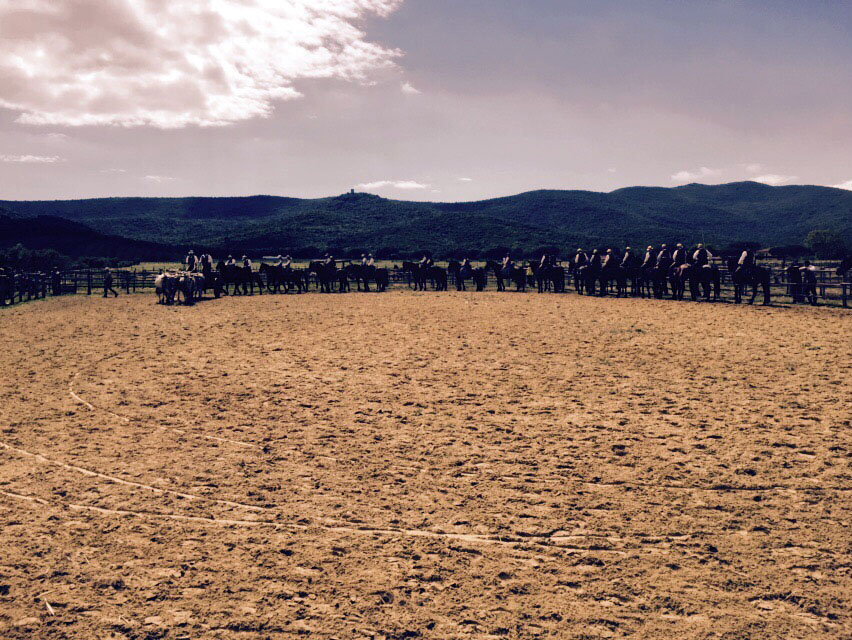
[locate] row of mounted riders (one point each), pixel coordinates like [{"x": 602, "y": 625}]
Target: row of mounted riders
[
  {"x": 591, "y": 276},
  {"x": 242, "y": 279},
  {"x": 595, "y": 277}
]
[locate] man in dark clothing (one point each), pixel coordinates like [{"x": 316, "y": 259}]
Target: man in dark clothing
[
  {"x": 701, "y": 257},
  {"x": 650, "y": 259},
  {"x": 679, "y": 255},
  {"x": 56, "y": 282},
  {"x": 628, "y": 260},
  {"x": 108, "y": 284},
  {"x": 664, "y": 258},
  {"x": 794, "y": 278},
  {"x": 809, "y": 281}
]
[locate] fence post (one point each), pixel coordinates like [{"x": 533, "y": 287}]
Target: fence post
[
  {"x": 845, "y": 299},
  {"x": 75, "y": 282},
  {"x": 89, "y": 282}
]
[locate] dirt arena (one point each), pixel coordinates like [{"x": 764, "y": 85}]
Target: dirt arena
[{"x": 424, "y": 466}]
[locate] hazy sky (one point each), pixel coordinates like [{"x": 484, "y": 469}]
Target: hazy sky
[{"x": 419, "y": 99}]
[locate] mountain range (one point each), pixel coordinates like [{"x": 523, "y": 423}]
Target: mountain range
[{"x": 719, "y": 215}]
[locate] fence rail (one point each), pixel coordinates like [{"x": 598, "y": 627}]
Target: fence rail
[{"x": 831, "y": 289}]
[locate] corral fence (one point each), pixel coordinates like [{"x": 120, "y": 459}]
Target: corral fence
[{"x": 22, "y": 287}]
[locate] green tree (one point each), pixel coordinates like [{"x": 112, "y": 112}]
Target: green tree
[{"x": 826, "y": 244}]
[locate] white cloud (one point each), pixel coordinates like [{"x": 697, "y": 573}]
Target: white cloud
[
  {"x": 774, "y": 180},
  {"x": 158, "y": 179},
  {"x": 113, "y": 170},
  {"x": 753, "y": 168},
  {"x": 30, "y": 159},
  {"x": 396, "y": 184},
  {"x": 409, "y": 89},
  {"x": 173, "y": 63},
  {"x": 691, "y": 176},
  {"x": 844, "y": 185},
  {"x": 465, "y": 179}
]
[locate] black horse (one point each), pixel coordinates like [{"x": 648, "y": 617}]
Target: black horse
[
  {"x": 362, "y": 273},
  {"x": 497, "y": 269},
  {"x": 549, "y": 277},
  {"x": 753, "y": 276},
  {"x": 242, "y": 277},
  {"x": 478, "y": 275},
  {"x": 844, "y": 267},
  {"x": 329, "y": 277}
]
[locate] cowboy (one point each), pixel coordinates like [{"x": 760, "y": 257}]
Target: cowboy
[
  {"x": 679, "y": 255},
  {"x": 649, "y": 257},
  {"x": 247, "y": 262},
  {"x": 363, "y": 259},
  {"x": 580, "y": 259},
  {"x": 628, "y": 260},
  {"x": 507, "y": 262},
  {"x": 545, "y": 262},
  {"x": 465, "y": 264},
  {"x": 609, "y": 260},
  {"x": 191, "y": 261},
  {"x": 108, "y": 284},
  {"x": 595, "y": 260},
  {"x": 746, "y": 260},
  {"x": 809, "y": 282},
  {"x": 664, "y": 258},
  {"x": 279, "y": 261},
  {"x": 230, "y": 262},
  {"x": 371, "y": 262},
  {"x": 794, "y": 277},
  {"x": 287, "y": 262},
  {"x": 702, "y": 256}
]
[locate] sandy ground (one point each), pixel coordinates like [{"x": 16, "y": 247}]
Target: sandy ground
[{"x": 424, "y": 466}]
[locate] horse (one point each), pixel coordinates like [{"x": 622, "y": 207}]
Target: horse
[
  {"x": 754, "y": 276},
  {"x": 364, "y": 273},
  {"x": 497, "y": 269},
  {"x": 328, "y": 276},
  {"x": 437, "y": 276},
  {"x": 549, "y": 276},
  {"x": 274, "y": 274},
  {"x": 613, "y": 273},
  {"x": 416, "y": 275},
  {"x": 240, "y": 276},
  {"x": 705, "y": 277},
  {"x": 478, "y": 275},
  {"x": 165, "y": 285},
  {"x": 186, "y": 285}
]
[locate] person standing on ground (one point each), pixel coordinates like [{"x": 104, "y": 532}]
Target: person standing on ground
[
  {"x": 794, "y": 277},
  {"x": 810, "y": 282},
  {"x": 108, "y": 283}
]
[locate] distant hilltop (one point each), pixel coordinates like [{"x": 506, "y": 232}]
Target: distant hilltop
[{"x": 719, "y": 215}]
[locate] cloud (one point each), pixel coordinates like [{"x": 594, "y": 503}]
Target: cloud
[
  {"x": 158, "y": 179},
  {"x": 173, "y": 63},
  {"x": 465, "y": 179},
  {"x": 113, "y": 170},
  {"x": 753, "y": 168},
  {"x": 774, "y": 180},
  {"x": 702, "y": 174},
  {"x": 844, "y": 185},
  {"x": 30, "y": 159},
  {"x": 396, "y": 184},
  {"x": 409, "y": 89}
]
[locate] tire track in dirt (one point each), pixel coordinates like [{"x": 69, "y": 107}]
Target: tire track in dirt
[
  {"x": 128, "y": 483},
  {"x": 539, "y": 540}
]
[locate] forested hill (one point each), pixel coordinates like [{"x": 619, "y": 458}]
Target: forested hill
[{"x": 719, "y": 214}]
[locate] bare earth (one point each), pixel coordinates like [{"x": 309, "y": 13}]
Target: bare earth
[{"x": 424, "y": 466}]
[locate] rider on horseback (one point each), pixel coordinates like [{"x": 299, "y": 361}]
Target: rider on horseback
[
  {"x": 247, "y": 262},
  {"x": 230, "y": 262},
  {"x": 702, "y": 256},
  {"x": 544, "y": 263},
  {"x": 425, "y": 261},
  {"x": 580, "y": 259},
  {"x": 664, "y": 258},
  {"x": 507, "y": 263},
  {"x": 649, "y": 257},
  {"x": 595, "y": 260},
  {"x": 628, "y": 260},
  {"x": 609, "y": 261},
  {"x": 288, "y": 261},
  {"x": 279, "y": 261},
  {"x": 371, "y": 262},
  {"x": 679, "y": 255},
  {"x": 363, "y": 259},
  {"x": 191, "y": 261}
]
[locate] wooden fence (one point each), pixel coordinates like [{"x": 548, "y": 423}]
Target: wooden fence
[{"x": 831, "y": 289}]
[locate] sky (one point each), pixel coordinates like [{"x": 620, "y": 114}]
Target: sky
[{"x": 442, "y": 100}]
